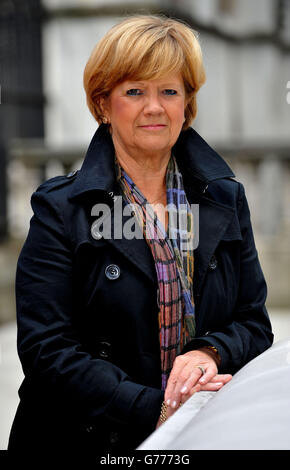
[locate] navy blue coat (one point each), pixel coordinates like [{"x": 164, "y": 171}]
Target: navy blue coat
[{"x": 87, "y": 308}]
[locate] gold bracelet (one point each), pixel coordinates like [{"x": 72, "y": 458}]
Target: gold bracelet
[
  {"x": 163, "y": 413},
  {"x": 212, "y": 348}
]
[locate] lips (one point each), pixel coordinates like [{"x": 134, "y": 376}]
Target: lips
[{"x": 153, "y": 126}]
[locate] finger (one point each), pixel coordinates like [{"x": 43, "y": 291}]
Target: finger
[
  {"x": 211, "y": 371},
  {"x": 192, "y": 391},
  {"x": 178, "y": 365},
  {"x": 228, "y": 378},
  {"x": 188, "y": 379},
  {"x": 184, "y": 377},
  {"x": 170, "y": 411},
  {"x": 192, "y": 380},
  {"x": 211, "y": 386},
  {"x": 217, "y": 382},
  {"x": 225, "y": 378}
]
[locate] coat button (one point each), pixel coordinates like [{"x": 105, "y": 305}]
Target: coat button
[
  {"x": 104, "y": 350},
  {"x": 112, "y": 272},
  {"x": 114, "y": 438},
  {"x": 213, "y": 263}
]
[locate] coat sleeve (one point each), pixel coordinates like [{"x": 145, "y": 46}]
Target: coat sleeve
[
  {"x": 250, "y": 332},
  {"x": 49, "y": 346}
]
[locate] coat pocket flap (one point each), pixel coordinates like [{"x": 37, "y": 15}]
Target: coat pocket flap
[{"x": 233, "y": 231}]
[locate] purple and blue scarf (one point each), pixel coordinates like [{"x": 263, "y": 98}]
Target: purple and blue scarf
[{"x": 172, "y": 251}]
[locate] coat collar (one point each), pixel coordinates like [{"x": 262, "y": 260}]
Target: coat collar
[
  {"x": 197, "y": 161},
  {"x": 199, "y": 165}
]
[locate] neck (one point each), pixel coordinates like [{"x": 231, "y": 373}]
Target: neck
[{"x": 147, "y": 171}]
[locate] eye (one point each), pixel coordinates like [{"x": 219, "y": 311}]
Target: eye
[
  {"x": 134, "y": 92},
  {"x": 170, "y": 92}
]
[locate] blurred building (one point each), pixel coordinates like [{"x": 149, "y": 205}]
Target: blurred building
[{"x": 244, "y": 108}]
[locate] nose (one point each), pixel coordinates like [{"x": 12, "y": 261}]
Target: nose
[{"x": 153, "y": 104}]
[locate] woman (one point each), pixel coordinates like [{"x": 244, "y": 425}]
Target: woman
[{"x": 116, "y": 331}]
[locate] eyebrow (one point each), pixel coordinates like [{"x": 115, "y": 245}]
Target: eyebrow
[{"x": 165, "y": 84}]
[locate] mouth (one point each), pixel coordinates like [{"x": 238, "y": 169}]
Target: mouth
[{"x": 153, "y": 127}]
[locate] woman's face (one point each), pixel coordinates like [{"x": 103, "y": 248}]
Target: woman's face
[{"x": 146, "y": 116}]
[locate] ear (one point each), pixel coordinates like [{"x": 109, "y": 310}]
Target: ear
[
  {"x": 103, "y": 103},
  {"x": 187, "y": 100}
]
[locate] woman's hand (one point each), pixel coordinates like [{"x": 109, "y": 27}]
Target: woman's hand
[
  {"x": 215, "y": 384},
  {"x": 186, "y": 377}
]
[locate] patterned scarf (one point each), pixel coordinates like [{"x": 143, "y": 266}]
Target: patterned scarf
[{"x": 174, "y": 262}]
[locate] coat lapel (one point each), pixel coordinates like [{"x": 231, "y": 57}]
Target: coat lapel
[{"x": 214, "y": 221}]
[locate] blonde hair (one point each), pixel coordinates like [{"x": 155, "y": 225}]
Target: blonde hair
[{"x": 143, "y": 48}]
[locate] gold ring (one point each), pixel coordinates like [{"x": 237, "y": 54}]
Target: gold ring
[{"x": 202, "y": 369}]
